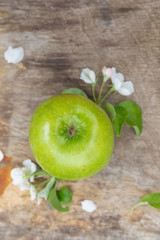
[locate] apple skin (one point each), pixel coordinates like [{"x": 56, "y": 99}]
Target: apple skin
[{"x": 71, "y": 157}]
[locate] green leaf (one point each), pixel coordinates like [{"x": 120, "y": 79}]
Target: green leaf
[
  {"x": 119, "y": 120},
  {"x": 134, "y": 117},
  {"x": 74, "y": 91},
  {"x": 153, "y": 199},
  {"x": 64, "y": 195},
  {"x": 45, "y": 191},
  {"x": 53, "y": 198},
  {"x": 111, "y": 110}
]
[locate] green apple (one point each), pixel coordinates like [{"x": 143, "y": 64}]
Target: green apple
[{"x": 71, "y": 137}]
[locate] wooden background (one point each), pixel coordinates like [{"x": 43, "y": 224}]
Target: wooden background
[{"x": 60, "y": 37}]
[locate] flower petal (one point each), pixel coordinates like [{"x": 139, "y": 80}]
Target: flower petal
[
  {"x": 126, "y": 89},
  {"x": 17, "y": 176},
  {"x": 33, "y": 192},
  {"x": 14, "y": 55},
  {"x": 120, "y": 76},
  {"x": 117, "y": 83},
  {"x": 117, "y": 79},
  {"x": 88, "y": 206},
  {"x": 32, "y": 179},
  {"x": 25, "y": 185},
  {"x": 39, "y": 200},
  {"x": 113, "y": 71},
  {"x": 107, "y": 73},
  {"x": 1, "y": 156},
  {"x": 88, "y": 76},
  {"x": 92, "y": 76},
  {"x": 30, "y": 165},
  {"x": 117, "y": 75}
]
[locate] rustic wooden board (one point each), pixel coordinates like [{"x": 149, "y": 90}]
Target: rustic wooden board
[{"x": 61, "y": 37}]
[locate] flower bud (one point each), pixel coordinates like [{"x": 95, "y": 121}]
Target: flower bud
[{"x": 107, "y": 73}]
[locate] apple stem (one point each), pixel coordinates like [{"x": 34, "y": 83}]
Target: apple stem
[{"x": 72, "y": 131}]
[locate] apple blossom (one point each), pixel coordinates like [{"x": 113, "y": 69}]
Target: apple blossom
[
  {"x": 14, "y": 55},
  {"x": 34, "y": 195},
  {"x": 88, "y": 206},
  {"x": 1, "y": 156},
  {"x": 107, "y": 73},
  {"x": 19, "y": 179},
  {"x": 88, "y": 76},
  {"x": 33, "y": 192},
  {"x": 30, "y": 168},
  {"x": 18, "y": 175},
  {"x": 124, "y": 88},
  {"x": 39, "y": 200}
]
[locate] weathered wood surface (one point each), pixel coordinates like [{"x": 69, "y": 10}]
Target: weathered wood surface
[{"x": 61, "y": 37}]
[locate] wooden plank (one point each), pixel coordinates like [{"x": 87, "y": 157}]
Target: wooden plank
[{"x": 61, "y": 37}]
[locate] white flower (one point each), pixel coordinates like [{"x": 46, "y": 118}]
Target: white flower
[
  {"x": 30, "y": 168},
  {"x": 14, "y": 55},
  {"x": 39, "y": 199},
  {"x": 35, "y": 195},
  {"x": 19, "y": 175},
  {"x": 127, "y": 88},
  {"x": 124, "y": 88},
  {"x": 88, "y": 76},
  {"x": 88, "y": 206},
  {"x": 1, "y": 156},
  {"x": 19, "y": 179},
  {"x": 33, "y": 192},
  {"x": 107, "y": 73}
]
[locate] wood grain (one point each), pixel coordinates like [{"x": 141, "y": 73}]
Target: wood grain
[{"x": 60, "y": 37}]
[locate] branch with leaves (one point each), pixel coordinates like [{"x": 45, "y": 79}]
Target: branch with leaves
[
  {"x": 44, "y": 186},
  {"x": 41, "y": 185},
  {"x": 126, "y": 112}
]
